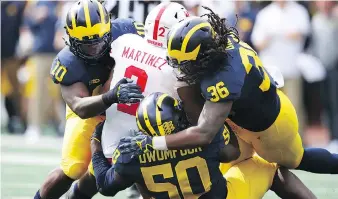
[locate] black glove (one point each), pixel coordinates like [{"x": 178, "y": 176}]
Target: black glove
[
  {"x": 123, "y": 92},
  {"x": 98, "y": 132},
  {"x": 136, "y": 145}
]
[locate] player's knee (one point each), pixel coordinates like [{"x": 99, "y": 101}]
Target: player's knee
[{"x": 75, "y": 171}]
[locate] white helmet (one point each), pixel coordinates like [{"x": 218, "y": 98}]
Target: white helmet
[{"x": 160, "y": 20}]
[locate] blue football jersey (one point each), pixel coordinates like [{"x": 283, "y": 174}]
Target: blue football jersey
[
  {"x": 189, "y": 173},
  {"x": 68, "y": 69},
  {"x": 244, "y": 81}
]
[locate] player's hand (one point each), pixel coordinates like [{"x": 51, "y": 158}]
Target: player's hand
[
  {"x": 124, "y": 92},
  {"x": 98, "y": 132},
  {"x": 136, "y": 145}
]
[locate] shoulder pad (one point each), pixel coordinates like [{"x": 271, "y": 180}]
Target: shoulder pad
[
  {"x": 66, "y": 68},
  {"x": 125, "y": 26},
  {"x": 224, "y": 85}
]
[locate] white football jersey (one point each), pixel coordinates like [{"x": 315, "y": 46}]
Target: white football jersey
[{"x": 146, "y": 64}]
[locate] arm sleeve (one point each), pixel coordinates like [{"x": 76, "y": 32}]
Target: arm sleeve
[{"x": 106, "y": 182}]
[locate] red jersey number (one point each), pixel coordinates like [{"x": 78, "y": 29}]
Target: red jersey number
[{"x": 142, "y": 78}]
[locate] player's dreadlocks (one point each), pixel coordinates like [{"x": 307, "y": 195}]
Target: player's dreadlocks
[
  {"x": 223, "y": 31},
  {"x": 215, "y": 57}
]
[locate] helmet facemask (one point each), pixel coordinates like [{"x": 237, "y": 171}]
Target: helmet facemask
[{"x": 93, "y": 49}]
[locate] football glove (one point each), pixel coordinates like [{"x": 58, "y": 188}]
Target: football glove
[
  {"x": 98, "y": 132},
  {"x": 124, "y": 92},
  {"x": 136, "y": 145}
]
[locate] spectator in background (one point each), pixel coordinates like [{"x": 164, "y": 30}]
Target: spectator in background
[
  {"x": 245, "y": 19},
  {"x": 40, "y": 19},
  {"x": 60, "y": 33},
  {"x": 11, "y": 18},
  {"x": 222, "y": 8},
  {"x": 279, "y": 33},
  {"x": 324, "y": 45}
]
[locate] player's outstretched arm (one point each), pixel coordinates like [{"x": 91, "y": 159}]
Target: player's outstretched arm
[
  {"x": 77, "y": 97},
  {"x": 210, "y": 121}
]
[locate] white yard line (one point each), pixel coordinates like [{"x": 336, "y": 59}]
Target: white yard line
[
  {"x": 20, "y": 142},
  {"x": 29, "y": 159}
]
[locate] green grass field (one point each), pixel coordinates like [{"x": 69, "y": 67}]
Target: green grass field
[{"x": 24, "y": 167}]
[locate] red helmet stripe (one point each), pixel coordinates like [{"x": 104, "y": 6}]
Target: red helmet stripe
[{"x": 157, "y": 21}]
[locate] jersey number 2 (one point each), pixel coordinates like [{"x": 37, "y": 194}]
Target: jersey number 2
[{"x": 142, "y": 78}]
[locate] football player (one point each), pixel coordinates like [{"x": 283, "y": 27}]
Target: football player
[
  {"x": 81, "y": 68},
  {"x": 142, "y": 59},
  {"x": 235, "y": 85},
  {"x": 189, "y": 173}
]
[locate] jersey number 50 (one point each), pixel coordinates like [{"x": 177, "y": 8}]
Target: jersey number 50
[
  {"x": 180, "y": 169},
  {"x": 142, "y": 78}
]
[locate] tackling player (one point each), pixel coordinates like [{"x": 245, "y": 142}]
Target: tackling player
[
  {"x": 142, "y": 59},
  {"x": 81, "y": 68},
  {"x": 235, "y": 84},
  {"x": 189, "y": 173}
]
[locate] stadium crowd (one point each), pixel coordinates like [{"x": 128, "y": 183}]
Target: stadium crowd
[{"x": 297, "y": 38}]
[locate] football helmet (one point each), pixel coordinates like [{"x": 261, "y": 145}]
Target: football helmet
[
  {"x": 88, "y": 27},
  {"x": 161, "y": 19},
  {"x": 159, "y": 115},
  {"x": 191, "y": 44}
]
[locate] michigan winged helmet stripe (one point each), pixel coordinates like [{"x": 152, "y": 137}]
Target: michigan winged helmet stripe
[
  {"x": 156, "y": 113},
  {"x": 87, "y": 20},
  {"x": 139, "y": 124},
  {"x": 187, "y": 50},
  {"x": 147, "y": 121}
]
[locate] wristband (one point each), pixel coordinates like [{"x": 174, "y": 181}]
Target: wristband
[
  {"x": 159, "y": 143},
  {"x": 108, "y": 99}
]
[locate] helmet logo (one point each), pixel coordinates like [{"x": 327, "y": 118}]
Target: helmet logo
[{"x": 168, "y": 127}]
